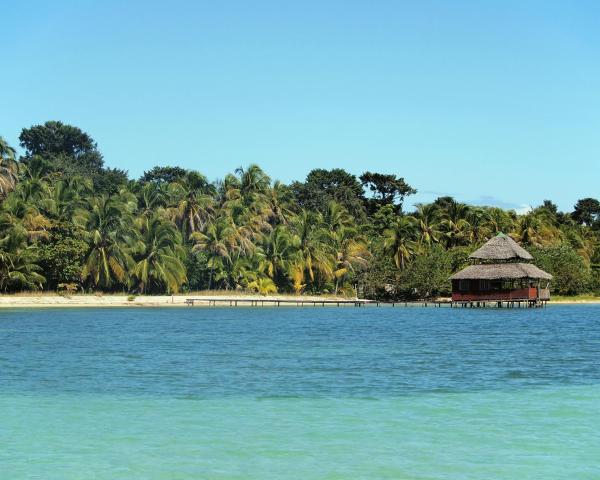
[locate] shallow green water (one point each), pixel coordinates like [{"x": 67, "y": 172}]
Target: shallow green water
[{"x": 300, "y": 393}]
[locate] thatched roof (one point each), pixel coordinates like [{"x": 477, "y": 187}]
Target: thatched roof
[
  {"x": 501, "y": 247},
  {"x": 501, "y": 271}
]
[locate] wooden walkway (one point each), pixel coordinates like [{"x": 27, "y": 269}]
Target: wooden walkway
[
  {"x": 300, "y": 302},
  {"x": 254, "y": 302}
]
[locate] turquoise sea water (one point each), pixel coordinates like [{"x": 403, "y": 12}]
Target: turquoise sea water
[{"x": 300, "y": 393}]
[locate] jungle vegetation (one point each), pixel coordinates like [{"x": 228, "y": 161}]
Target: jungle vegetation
[{"x": 69, "y": 223}]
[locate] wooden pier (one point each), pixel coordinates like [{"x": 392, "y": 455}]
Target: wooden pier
[
  {"x": 260, "y": 302},
  {"x": 300, "y": 302}
]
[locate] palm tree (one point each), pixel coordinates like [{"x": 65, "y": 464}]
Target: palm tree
[
  {"x": 108, "y": 222},
  {"x": 314, "y": 248},
  {"x": 158, "y": 255},
  {"x": 428, "y": 217},
  {"x": 39, "y": 168},
  {"x": 351, "y": 252},
  {"x": 336, "y": 217},
  {"x": 499, "y": 221},
  {"x": 278, "y": 201},
  {"x": 152, "y": 196},
  {"x": 278, "y": 253},
  {"x": 64, "y": 199},
  {"x": 18, "y": 270},
  {"x": 455, "y": 224},
  {"x": 8, "y": 168},
  {"x": 263, "y": 285},
  {"x": 296, "y": 274},
  {"x": 478, "y": 221},
  {"x": 253, "y": 180},
  {"x": 252, "y": 225},
  {"x": 18, "y": 210},
  {"x": 194, "y": 206},
  {"x": 531, "y": 229},
  {"x": 240, "y": 272},
  {"x": 582, "y": 239},
  {"x": 400, "y": 241},
  {"x": 228, "y": 189},
  {"x": 218, "y": 240}
]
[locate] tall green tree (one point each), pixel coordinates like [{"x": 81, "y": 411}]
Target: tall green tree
[
  {"x": 71, "y": 152},
  {"x": 386, "y": 190},
  {"x": 158, "y": 256},
  {"x": 218, "y": 241},
  {"x": 279, "y": 252},
  {"x": 427, "y": 275},
  {"x": 571, "y": 275},
  {"x": 193, "y": 203},
  {"x": 455, "y": 223},
  {"x": 18, "y": 267},
  {"x": 108, "y": 222},
  {"x": 587, "y": 212},
  {"x": 61, "y": 255},
  {"x": 316, "y": 257},
  {"x": 322, "y": 186},
  {"x": 164, "y": 175},
  {"x": 401, "y": 240},
  {"x": 428, "y": 218}
]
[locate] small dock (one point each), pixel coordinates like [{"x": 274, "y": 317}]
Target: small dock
[
  {"x": 276, "y": 302},
  {"x": 302, "y": 302}
]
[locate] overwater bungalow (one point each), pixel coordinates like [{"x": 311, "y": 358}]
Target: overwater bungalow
[{"x": 501, "y": 273}]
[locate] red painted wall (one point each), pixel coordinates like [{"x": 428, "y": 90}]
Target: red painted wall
[{"x": 517, "y": 294}]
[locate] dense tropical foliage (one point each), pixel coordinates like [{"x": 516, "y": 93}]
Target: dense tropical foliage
[{"x": 69, "y": 223}]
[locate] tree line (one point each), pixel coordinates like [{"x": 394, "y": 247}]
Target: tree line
[{"x": 68, "y": 223}]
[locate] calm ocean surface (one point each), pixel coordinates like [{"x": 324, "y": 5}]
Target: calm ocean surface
[{"x": 300, "y": 393}]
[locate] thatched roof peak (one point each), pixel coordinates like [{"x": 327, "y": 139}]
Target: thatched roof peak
[{"x": 501, "y": 247}]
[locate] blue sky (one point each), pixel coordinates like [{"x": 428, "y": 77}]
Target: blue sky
[{"x": 492, "y": 102}]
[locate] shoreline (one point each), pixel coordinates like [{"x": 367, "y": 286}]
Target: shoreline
[
  {"x": 201, "y": 300},
  {"x": 175, "y": 301}
]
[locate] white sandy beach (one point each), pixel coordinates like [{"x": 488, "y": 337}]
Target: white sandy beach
[{"x": 90, "y": 300}]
